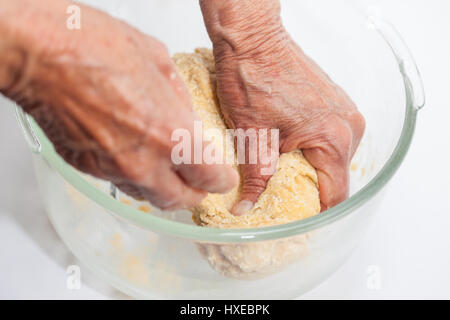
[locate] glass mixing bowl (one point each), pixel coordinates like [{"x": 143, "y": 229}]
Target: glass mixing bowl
[{"x": 162, "y": 255}]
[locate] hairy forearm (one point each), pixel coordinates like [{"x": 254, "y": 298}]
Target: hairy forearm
[{"x": 243, "y": 25}]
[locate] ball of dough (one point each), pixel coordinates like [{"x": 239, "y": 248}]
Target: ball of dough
[{"x": 291, "y": 194}]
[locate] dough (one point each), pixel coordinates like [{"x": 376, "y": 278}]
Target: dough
[{"x": 292, "y": 192}]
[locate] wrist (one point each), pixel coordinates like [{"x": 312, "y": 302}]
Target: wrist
[{"x": 243, "y": 26}]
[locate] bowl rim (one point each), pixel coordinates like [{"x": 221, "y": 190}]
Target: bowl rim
[{"x": 197, "y": 233}]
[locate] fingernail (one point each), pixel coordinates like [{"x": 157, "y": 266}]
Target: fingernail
[{"x": 242, "y": 208}]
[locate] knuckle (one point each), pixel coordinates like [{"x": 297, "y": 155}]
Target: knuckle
[{"x": 339, "y": 141}]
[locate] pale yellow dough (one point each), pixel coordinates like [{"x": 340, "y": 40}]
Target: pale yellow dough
[{"x": 292, "y": 192}]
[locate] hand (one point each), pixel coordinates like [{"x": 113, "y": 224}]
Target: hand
[
  {"x": 266, "y": 81},
  {"x": 109, "y": 98}
]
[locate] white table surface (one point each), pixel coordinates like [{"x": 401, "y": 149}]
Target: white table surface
[{"x": 407, "y": 247}]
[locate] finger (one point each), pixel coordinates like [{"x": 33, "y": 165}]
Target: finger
[
  {"x": 255, "y": 176},
  {"x": 253, "y": 184},
  {"x": 200, "y": 169},
  {"x": 215, "y": 178},
  {"x": 167, "y": 192},
  {"x": 254, "y": 181},
  {"x": 333, "y": 176},
  {"x": 173, "y": 193}
]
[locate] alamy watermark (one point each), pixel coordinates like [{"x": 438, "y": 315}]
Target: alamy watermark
[
  {"x": 213, "y": 146},
  {"x": 73, "y": 281},
  {"x": 373, "y": 281},
  {"x": 73, "y": 22}
]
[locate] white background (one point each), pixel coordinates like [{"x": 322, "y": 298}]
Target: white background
[{"x": 408, "y": 243}]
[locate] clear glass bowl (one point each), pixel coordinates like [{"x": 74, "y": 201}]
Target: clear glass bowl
[{"x": 156, "y": 254}]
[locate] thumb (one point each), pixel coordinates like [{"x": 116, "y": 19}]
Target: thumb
[{"x": 254, "y": 181}]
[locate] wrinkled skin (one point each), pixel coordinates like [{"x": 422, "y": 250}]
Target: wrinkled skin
[
  {"x": 266, "y": 81},
  {"x": 109, "y": 98}
]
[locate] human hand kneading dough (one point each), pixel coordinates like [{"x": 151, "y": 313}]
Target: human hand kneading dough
[
  {"x": 266, "y": 81},
  {"x": 107, "y": 96}
]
